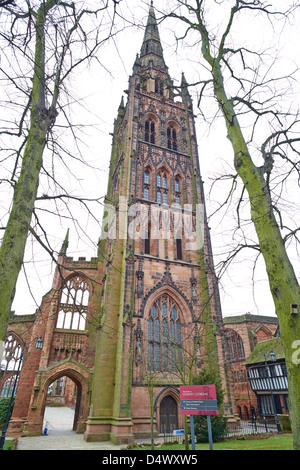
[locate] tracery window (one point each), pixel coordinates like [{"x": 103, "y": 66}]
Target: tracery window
[
  {"x": 147, "y": 177},
  {"x": 10, "y": 362},
  {"x": 11, "y": 354},
  {"x": 73, "y": 304},
  {"x": 235, "y": 345},
  {"x": 150, "y": 131},
  {"x": 8, "y": 386},
  {"x": 59, "y": 386},
  {"x": 172, "y": 138},
  {"x": 164, "y": 335},
  {"x": 146, "y": 193},
  {"x": 178, "y": 248}
]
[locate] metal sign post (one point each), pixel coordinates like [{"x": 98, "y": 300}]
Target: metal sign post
[
  {"x": 192, "y": 431},
  {"x": 199, "y": 400},
  {"x": 209, "y": 432}
]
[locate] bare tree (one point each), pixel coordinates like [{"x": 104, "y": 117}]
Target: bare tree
[
  {"x": 264, "y": 136},
  {"x": 43, "y": 44}
]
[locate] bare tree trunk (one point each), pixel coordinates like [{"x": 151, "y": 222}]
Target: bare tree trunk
[
  {"x": 25, "y": 191},
  {"x": 57, "y": 29},
  {"x": 283, "y": 282}
]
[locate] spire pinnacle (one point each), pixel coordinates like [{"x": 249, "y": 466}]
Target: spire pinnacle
[
  {"x": 151, "y": 50},
  {"x": 184, "y": 84},
  {"x": 64, "y": 247},
  {"x": 121, "y": 110}
]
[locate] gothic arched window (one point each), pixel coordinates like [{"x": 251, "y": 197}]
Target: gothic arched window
[
  {"x": 172, "y": 138},
  {"x": 73, "y": 304},
  {"x": 8, "y": 386},
  {"x": 11, "y": 353},
  {"x": 10, "y": 362},
  {"x": 235, "y": 346},
  {"x": 164, "y": 335},
  {"x": 150, "y": 131}
]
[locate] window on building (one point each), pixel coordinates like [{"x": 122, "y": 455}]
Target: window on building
[
  {"x": 162, "y": 188},
  {"x": 144, "y": 84},
  {"x": 10, "y": 363},
  {"x": 159, "y": 86},
  {"x": 235, "y": 346},
  {"x": 179, "y": 248},
  {"x": 164, "y": 335},
  {"x": 165, "y": 182},
  {"x": 146, "y": 184},
  {"x": 147, "y": 241},
  {"x": 8, "y": 386},
  {"x": 11, "y": 353},
  {"x": 73, "y": 305},
  {"x": 177, "y": 192},
  {"x": 150, "y": 131},
  {"x": 172, "y": 137}
]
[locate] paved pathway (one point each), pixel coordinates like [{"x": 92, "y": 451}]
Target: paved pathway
[
  {"x": 60, "y": 435},
  {"x": 63, "y": 441}
]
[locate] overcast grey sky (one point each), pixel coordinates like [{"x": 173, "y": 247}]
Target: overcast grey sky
[{"x": 101, "y": 92}]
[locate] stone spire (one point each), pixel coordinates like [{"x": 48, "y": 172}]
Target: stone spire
[
  {"x": 151, "y": 50},
  {"x": 64, "y": 247},
  {"x": 121, "y": 110},
  {"x": 185, "y": 90}
]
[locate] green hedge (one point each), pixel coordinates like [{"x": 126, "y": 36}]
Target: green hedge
[{"x": 4, "y": 404}]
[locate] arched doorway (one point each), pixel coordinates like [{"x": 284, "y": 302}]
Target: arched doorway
[
  {"x": 168, "y": 414},
  {"x": 61, "y": 401},
  {"x": 63, "y": 408}
]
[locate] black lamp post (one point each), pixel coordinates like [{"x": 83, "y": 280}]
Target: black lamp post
[
  {"x": 39, "y": 345},
  {"x": 272, "y": 357}
]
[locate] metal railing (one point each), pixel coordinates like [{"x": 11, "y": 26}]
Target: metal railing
[
  {"x": 169, "y": 437},
  {"x": 243, "y": 428},
  {"x": 240, "y": 428}
]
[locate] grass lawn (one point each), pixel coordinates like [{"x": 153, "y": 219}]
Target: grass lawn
[
  {"x": 9, "y": 444},
  {"x": 283, "y": 442}
]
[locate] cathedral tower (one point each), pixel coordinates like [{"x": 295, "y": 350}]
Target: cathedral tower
[{"x": 160, "y": 312}]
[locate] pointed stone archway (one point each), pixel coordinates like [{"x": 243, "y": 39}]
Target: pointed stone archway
[
  {"x": 167, "y": 406},
  {"x": 79, "y": 374}
]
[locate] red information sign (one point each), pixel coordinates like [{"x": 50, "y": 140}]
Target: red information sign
[{"x": 198, "y": 400}]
